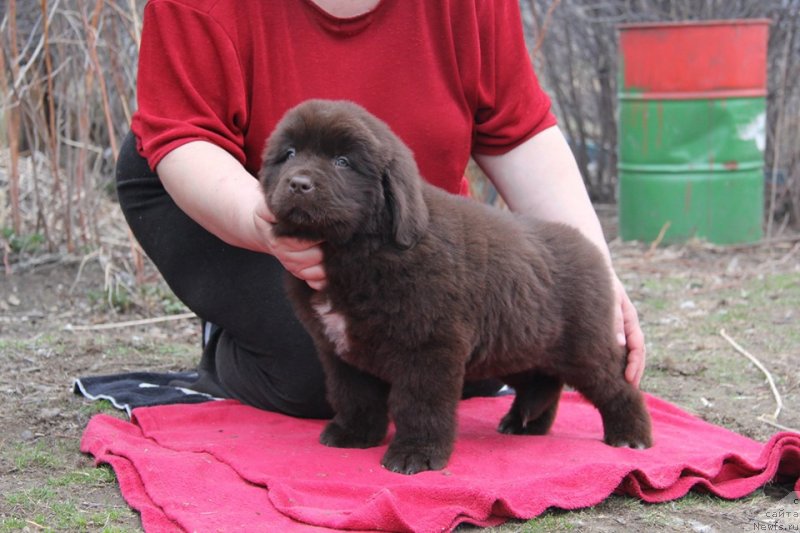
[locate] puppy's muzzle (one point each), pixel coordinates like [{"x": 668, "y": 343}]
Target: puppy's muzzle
[{"x": 301, "y": 184}]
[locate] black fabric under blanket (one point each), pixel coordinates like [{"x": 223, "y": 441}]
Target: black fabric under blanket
[{"x": 140, "y": 389}]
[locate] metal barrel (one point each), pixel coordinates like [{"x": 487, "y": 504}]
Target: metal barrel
[{"x": 692, "y": 130}]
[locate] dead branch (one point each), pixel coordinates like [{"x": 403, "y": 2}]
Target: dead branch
[
  {"x": 660, "y": 237},
  {"x": 777, "y": 145},
  {"x": 752, "y": 358},
  {"x": 542, "y": 30},
  {"x": 130, "y": 323}
]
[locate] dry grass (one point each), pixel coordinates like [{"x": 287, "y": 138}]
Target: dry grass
[{"x": 66, "y": 96}]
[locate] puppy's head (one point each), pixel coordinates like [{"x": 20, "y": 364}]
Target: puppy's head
[{"x": 332, "y": 171}]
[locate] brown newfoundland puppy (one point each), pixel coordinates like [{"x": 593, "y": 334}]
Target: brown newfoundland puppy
[{"x": 426, "y": 289}]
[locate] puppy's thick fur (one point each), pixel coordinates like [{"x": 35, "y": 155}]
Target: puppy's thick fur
[{"x": 426, "y": 289}]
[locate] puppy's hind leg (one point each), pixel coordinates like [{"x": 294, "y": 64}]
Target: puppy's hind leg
[
  {"x": 360, "y": 403},
  {"x": 626, "y": 422},
  {"x": 535, "y": 405}
]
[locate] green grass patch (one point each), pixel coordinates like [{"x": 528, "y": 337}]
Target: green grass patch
[
  {"x": 29, "y": 499},
  {"x": 14, "y": 345},
  {"x": 550, "y": 521},
  {"x": 695, "y": 499},
  {"x": 12, "y": 524},
  {"x": 91, "y": 408},
  {"x": 30, "y": 242},
  {"x": 92, "y": 477},
  {"x": 47, "y": 509},
  {"x": 161, "y": 295},
  {"x": 39, "y": 455},
  {"x": 116, "y": 297},
  {"x": 63, "y": 516}
]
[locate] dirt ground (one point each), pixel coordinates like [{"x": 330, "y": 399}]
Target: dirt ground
[{"x": 685, "y": 295}]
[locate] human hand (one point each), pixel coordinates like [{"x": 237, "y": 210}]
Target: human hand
[
  {"x": 303, "y": 259},
  {"x": 629, "y": 333}
]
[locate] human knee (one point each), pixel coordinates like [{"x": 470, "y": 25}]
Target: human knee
[{"x": 285, "y": 382}]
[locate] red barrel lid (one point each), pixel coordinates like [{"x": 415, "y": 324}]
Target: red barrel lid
[{"x": 694, "y": 59}]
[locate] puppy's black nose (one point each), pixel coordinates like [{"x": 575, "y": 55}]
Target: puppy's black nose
[{"x": 301, "y": 184}]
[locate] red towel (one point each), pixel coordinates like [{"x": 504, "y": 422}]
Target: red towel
[{"x": 226, "y": 466}]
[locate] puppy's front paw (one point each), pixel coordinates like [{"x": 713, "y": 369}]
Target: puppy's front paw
[
  {"x": 337, "y": 436},
  {"x": 409, "y": 461}
]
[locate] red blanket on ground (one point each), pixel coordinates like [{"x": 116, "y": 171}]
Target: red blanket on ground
[{"x": 225, "y": 466}]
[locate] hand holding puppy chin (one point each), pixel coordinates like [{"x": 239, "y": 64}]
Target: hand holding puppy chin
[{"x": 302, "y": 259}]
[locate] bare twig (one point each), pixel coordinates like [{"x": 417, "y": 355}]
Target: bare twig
[
  {"x": 85, "y": 260},
  {"x": 43, "y": 259},
  {"x": 138, "y": 256},
  {"x": 776, "y": 144},
  {"x": 659, "y": 237},
  {"x": 58, "y": 119},
  {"x": 542, "y": 30},
  {"x": 767, "y": 419},
  {"x": 789, "y": 254},
  {"x": 752, "y": 358},
  {"x": 6, "y": 253},
  {"x": 92, "y": 29},
  {"x": 13, "y": 117},
  {"x": 763, "y": 243},
  {"x": 130, "y": 323},
  {"x": 53, "y": 134}
]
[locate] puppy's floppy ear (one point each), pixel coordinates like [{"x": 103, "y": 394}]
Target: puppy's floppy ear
[{"x": 403, "y": 189}]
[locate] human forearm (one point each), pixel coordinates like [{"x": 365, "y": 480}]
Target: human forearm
[
  {"x": 540, "y": 178},
  {"x": 215, "y": 190}
]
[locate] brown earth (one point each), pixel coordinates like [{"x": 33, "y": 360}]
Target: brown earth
[{"x": 685, "y": 295}]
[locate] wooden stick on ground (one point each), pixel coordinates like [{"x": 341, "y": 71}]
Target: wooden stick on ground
[
  {"x": 778, "y": 400},
  {"x": 659, "y": 238},
  {"x": 129, "y": 323}
]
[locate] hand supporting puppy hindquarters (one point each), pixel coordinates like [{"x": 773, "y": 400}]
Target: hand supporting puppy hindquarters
[
  {"x": 303, "y": 259},
  {"x": 629, "y": 333}
]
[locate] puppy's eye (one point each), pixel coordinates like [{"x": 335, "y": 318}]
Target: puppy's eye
[
  {"x": 341, "y": 162},
  {"x": 290, "y": 153}
]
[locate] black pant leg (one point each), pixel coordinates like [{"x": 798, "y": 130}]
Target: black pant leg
[{"x": 264, "y": 357}]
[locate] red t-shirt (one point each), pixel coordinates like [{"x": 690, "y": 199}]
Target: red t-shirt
[{"x": 451, "y": 77}]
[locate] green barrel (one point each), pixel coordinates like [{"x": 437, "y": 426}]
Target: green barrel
[{"x": 692, "y": 130}]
